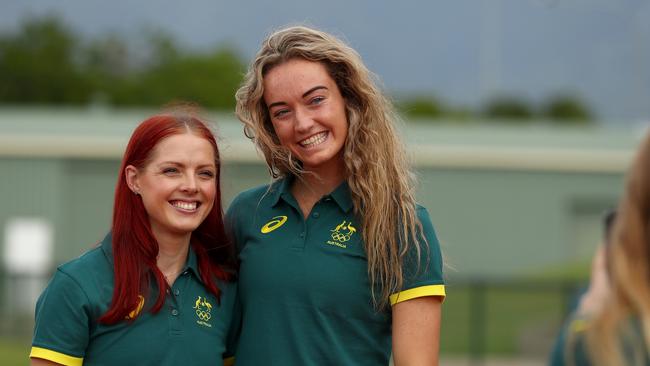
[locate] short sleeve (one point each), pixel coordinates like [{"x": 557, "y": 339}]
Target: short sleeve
[
  {"x": 423, "y": 272},
  {"x": 62, "y": 326},
  {"x": 569, "y": 348}
]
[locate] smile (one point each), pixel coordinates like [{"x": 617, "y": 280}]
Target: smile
[
  {"x": 185, "y": 206},
  {"x": 314, "y": 140}
]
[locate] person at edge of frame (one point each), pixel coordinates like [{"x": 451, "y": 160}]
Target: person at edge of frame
[
  {"x": 338, "y": 264},
  {"x": 611, "y": 325},
  {"x": 160, "y": 288}
]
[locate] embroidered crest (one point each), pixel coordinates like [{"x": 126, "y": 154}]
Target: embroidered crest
[
  {"x": 135, "y": 312},
  {"x": 203, "y": 308},
  {"x": 341, "y": 234}
]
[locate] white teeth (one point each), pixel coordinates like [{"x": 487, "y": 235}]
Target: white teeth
[
  {"x": 190, "y": 206},
  {"x": 314, "y": 140}
]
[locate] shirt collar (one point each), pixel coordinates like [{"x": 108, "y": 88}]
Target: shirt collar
[
  {"x": 192, "y": 262},
  {"x": 342, "y": 196},
  {"x": 282, "y": 188}
]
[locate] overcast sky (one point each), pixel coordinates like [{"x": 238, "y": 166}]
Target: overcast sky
[{"x": 461, "y": 51}]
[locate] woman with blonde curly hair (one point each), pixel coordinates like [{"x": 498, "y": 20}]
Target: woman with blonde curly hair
[
  {"x": 339, "y": 265},
  {"x": 612, "y": 323}
]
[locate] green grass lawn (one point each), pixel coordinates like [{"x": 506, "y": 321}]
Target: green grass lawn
[
  {"x": 519, "y": 320},
  {"x": 14, "y": 352},
  {"x": 516, "y": 320}
]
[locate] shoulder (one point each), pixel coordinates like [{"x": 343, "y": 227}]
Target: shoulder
[
  {"x": 90, "y": 263},
  {"x": 570, "y": 344},
  {"x": 251, "y": 197},
  {"x": 78, "y": 280},
  {"x": 422, "y": 212},
  {"x": 425, "y": 220},
  {"x": 90, "y": 274}
]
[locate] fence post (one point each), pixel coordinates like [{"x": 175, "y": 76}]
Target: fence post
[{"x": 477, "y": 309}]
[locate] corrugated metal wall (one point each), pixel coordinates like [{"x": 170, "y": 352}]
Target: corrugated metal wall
[{"x": 490, "y": 221}]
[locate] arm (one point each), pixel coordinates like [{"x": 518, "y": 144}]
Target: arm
[
  {"x": 599, "y": 290},
  {"x": 590, "y": 304},
  {"x": 42, "y": 362},
  {"x": 416, "y": 331},
  {"x": 61, "y": 329}
]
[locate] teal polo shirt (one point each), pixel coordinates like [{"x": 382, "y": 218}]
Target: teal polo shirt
[
  {"x": 192, "y": 328},
  {"x": 570, "y": 347},
  {"x": 303, "y": 282}
]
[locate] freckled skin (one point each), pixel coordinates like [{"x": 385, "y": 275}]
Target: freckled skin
[{"x": 305, "y": 102}]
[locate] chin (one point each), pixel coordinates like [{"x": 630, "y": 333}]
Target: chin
[{"x": 186, "y": 229}]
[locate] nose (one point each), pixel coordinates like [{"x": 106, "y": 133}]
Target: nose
[
  {"x": 189, "y": 184},
  {"x": 304, "y": 122}
]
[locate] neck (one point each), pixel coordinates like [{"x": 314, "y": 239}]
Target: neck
[
  {"x": 313, "y": 185},
  {"x": 324, "y": 178},
  {"x": 316, "y": 186},
  {"x": 172, "y": 255}
]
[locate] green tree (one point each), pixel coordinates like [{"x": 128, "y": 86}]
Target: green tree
[
  {"x": 208, "y": 79},
  {"x": 107, "y": 68},
  {"x": 420, "y": 107},
  {"x": 38, "y": 64},
  {"x": 567, "y": 109},
  {"x": 508, "y": 108}
]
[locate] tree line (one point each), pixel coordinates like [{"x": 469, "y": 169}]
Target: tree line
[{"x": 45, "y": 62}]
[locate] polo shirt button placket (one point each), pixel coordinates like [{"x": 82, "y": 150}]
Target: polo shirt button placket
[
  {"x": 315, "y": 215},
  {"x": 175, "y": 323}
]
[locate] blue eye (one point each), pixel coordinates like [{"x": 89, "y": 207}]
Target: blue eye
[
  {"x": 280, "y": 113},
  {"x": 207, "y": 174},
  {"x": 317, "y": 100},
  {"x": 170, "y": 171}
]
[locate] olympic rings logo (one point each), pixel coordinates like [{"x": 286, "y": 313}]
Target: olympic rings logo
[
  {"x": 343, "y": 231},
  {"x": 275, "y": 223},
  {"x": 203, "y": 315},
  {"x": 341, "y": 237},
  {"x": 203, "y": 308}
]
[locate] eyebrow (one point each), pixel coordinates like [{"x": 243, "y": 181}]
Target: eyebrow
[
  {"x": 318, "y": 87},
  {"x": 210, "y": 165}
]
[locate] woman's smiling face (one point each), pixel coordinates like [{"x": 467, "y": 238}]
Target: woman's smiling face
[
  {"x": 178, "y": 184},
  {"x": 307, "y": 112}
]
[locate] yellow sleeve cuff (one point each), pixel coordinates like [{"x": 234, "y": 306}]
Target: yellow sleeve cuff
[
  {"x": 578, "y": 325},
  {"x": 61, "y": 358},
  {"x": 430, "y": 290}
]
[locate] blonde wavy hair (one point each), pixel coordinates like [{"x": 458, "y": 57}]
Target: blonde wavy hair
[
  {"x": 613, "y": 336},
  {"x": 376, "y": 166}
]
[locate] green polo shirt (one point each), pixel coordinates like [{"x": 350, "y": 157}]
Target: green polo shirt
[
  {"x": 570, "y": 347},
  {"x": 303, "y": 283},
  {"x": 192, "y": 328}
]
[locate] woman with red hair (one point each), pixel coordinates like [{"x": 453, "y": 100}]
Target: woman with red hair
[{"x": 159, "y": 289}]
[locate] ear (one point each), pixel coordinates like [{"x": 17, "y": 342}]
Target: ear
[{"x": 131, "y": 176}]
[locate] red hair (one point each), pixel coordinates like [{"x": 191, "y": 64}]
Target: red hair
[{"x": 134, "y": 247}]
